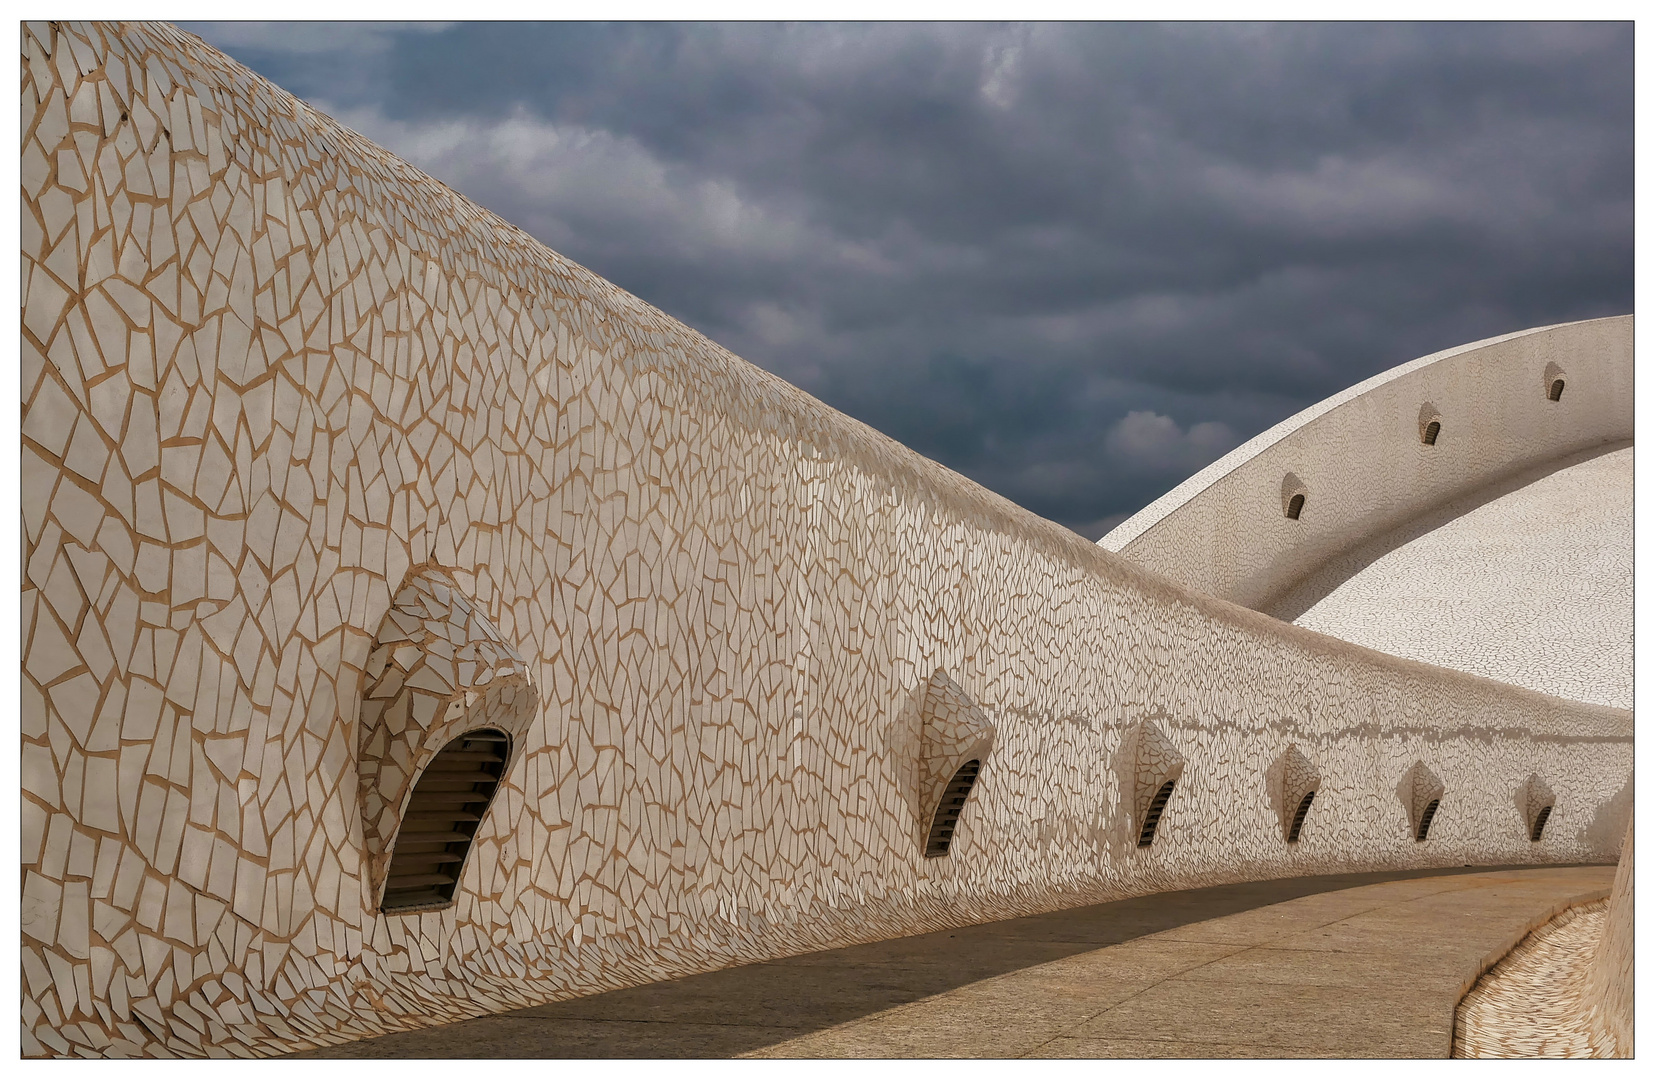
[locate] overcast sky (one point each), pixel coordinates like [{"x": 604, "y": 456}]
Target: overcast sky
[{"x": 1075, "y": 262}]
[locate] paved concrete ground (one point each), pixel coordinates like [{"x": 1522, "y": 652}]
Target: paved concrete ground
[{"x": 1358, "y": 965}]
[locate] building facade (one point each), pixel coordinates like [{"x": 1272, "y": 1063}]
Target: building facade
[{"x": 416, "y": 625}]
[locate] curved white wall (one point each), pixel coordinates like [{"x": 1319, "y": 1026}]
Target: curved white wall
[
  {"x": 1527, "y": 581},
  {"x": 268, "y": 369},
  {"x": 1610, "y": 979},
  {"x": 1364, "y": 467}
]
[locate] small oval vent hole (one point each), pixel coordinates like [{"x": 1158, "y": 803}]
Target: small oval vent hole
[
  {"x": 1295, "y": 506},
  {"x": 948, "y": 810},
  {"x": 1432, "y": 430},
  {"x": 1146, "y": 835},
  {"x": 1539, "y": 824},
  {"x": 1555, "y": 392},
  {"x": 1425, "y": 820},
  {"x": 442, "y": 817},
  {"x": 1298, "y": 817}
]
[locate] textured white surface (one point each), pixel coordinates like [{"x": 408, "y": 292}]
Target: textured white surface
[
  {"x": 268, "y": 370},
  {"x": 1531, "y": 586},
  {"x": 1531, "y": 1004},
  {"x": 1565, "y": 990},
  {"x": 1359, "y": 458},
  {"x": 1610, "y": 979}
]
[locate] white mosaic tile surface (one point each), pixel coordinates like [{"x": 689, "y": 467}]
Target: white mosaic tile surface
[
  {"x": 1529, "y": 1004},
  {"x": 1532, "y": 587},
  {"x": 1565, "y": 990},
  {"x": 1291, "y": 778},
  {"x": 1610, "y": 979},
  {"x": 269, "y": 372}
]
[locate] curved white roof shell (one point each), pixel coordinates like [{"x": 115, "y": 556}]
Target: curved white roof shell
[{"x": 1497, "y": 542}]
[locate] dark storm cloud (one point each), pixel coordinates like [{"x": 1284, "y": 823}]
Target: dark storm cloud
[{"x": 1075, "y": 262}]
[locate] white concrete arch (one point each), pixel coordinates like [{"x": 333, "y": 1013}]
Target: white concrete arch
[{"x": 1366, "y": 470}]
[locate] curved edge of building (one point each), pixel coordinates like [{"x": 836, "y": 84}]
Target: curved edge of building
[{"x": 1256, "y": 522}]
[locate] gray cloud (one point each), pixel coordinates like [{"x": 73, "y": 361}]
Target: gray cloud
[{"x": 1075, "y": 262}]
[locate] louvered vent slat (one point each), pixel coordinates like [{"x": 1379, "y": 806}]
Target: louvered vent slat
[
  {"x": 948, "y": 810},
  {"x": 449, "y": 798},
  {"x": 403, "y": 882},
  {"x": 1425, "y": 820},
  {"x": 416, "y": 836},
  {"x": 1298, "y": 817},
  {"x": 1540, "y": 823},
  {"x": 441, "y": 820},
  {"x": 1152, "y": 818},
  {"x": 467, "y": 775}
]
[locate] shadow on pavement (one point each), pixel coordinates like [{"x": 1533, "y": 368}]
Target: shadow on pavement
[{"x": 735, "y": 1010}]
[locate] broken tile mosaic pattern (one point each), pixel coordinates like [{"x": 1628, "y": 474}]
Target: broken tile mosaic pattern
[{"x": 300, "y": 422}]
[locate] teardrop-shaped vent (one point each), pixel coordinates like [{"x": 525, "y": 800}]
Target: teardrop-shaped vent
[
  {"x": 1539, "y": 824},
  {"x": 1432, "y": 430},
  {"x": 1295, "y": 507},
  {"x": 948, "y": 810},
  {"x": 442, "y": 817},
  {"x": 1298, "y": 817},
  {"x": 1429, "y": 813},
  {"x": 1555, "y": 391},
  {"x": 1152, "y": 817}
]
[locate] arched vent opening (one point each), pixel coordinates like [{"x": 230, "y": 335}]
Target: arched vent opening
[
  {"x": 1432, "y": 430},
  {"x": 443, "y": 813},
  {"x": 1298, "y": 817},
  {"x": 1152, "y": 817},
  {"x": 948, "y": 810},
  {"x": 1425, "y": 820},
  {"x": 1539, "y": 824},
  {"x": 1295, "y": 506},
  {"x": 1555, "y": 391}
]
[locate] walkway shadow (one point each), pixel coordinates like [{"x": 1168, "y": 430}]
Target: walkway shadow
[{"x": 735, "y": 1010}]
